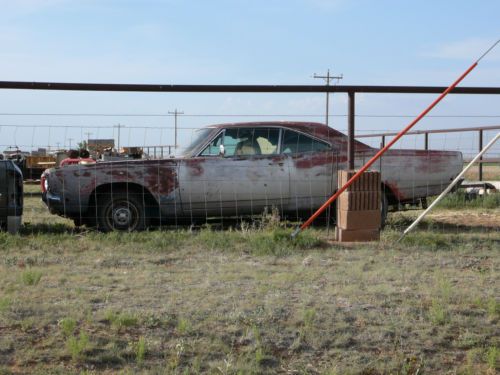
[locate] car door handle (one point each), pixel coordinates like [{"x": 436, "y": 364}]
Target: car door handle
[{"x": 280, "y": 164}]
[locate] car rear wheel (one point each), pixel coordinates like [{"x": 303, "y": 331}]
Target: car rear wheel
[{"x": 121, "y": 212}]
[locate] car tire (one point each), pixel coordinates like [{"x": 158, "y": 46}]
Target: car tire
[{"x": 122, "y": 212}]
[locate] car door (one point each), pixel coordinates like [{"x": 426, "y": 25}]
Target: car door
[
  {"x": 313, "y": 165},
  {"x": 240, "y": 172}
]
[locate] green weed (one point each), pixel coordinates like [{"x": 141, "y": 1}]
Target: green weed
[
  {"x": 67, "y": 326},
  {"x": 493, "y": 357},
  {"x": 77, "y": 346},
  {"x": 4, "y": 304},
  {"x": 438, "y": 313},
  {"x": 460, "y": 200},
  {"x": 140, "y": 350},
  {"x": 31, "y": 277},
  {"x": 493, "y": 309},
  {"x": 121, "y": 320},
  {"x": 309, "y": 317},
  {"x": 183, "y": 326},
  {"x": 445, "y": 290},
  {"x": 278, "y": 242}
]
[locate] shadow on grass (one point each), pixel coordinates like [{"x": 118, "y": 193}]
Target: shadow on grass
[{"x": 49, "y": 228}]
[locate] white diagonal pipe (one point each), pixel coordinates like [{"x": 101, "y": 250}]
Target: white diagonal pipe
[{"x": 450, "y": 186}]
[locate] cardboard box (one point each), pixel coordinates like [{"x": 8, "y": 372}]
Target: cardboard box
[
  {"x": 370, "y": 219},
  {"x": 357, "y": 235},
  {"x": 368, "y": 181},
  {"x": 359, "y": 200}
]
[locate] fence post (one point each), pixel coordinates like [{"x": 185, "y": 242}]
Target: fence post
[
  {"x": 481, "y": 158},
  {"x": 426, "y": 145},
  {"x": 382, "y": 144},
  {"x": 350, "y": 132}
]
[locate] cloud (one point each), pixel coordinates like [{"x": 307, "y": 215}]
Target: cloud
[{"x": 466, "y": 49}]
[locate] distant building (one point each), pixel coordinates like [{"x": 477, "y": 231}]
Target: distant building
[
  {"x": 99, "y": 145},
  {"x": 39, "y": 152}
]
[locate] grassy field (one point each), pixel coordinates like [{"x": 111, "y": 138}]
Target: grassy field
[
  {"x": 490, "y": 172},
  {"x": 251, "y": 300}
]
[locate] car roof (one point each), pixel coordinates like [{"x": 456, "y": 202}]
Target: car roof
[
  {"x": 314, "y": 129},
  {"x": 289, "y": 124}
]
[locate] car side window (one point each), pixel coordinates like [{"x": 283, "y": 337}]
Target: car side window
[
  {"x": 245, "y": 142},
  {"x": 294, "y": 142},
  {"x": 213, "y": 149}
]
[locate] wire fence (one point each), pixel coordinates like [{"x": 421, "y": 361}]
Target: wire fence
[
  {"x": 137, "y": 178},
  {"x": 160, "y": 169}
]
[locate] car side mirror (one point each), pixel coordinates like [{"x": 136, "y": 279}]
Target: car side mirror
[{"x": 222, "y": 151}]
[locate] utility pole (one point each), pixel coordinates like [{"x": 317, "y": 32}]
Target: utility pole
[
  {"x": 88, "y": 138},
  {"x": 175, "y": 113},
  {"x": 70, "y": 139},
  {"x": 118, "y": 143},
  {"x": 327, "y": 79}
]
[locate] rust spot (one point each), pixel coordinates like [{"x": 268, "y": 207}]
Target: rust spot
[
  {"x": 161, "y": 179},
  {"x": 313, "y": 160},
  {"x": 195, "y": 166}
]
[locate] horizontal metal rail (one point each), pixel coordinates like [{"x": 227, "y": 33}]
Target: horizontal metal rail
[
  {"x": 415, "y": 132},
  {"x": 23, "y": 85},
  {"x": 483, "y": 161},
  {"x": 479, "y": 129}
]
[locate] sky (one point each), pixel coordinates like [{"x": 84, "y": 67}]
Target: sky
[{"x": 385, "y": 42}]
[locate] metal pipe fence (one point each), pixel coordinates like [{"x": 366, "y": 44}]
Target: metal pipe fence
[
  {"x": 480, "y": 130},
  {"x": 206, "y": 187}
]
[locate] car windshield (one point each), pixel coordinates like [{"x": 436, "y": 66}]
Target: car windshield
[{"x": 198, "y": 137}]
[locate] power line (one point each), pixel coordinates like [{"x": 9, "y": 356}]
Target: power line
[{"x": 232, "y": 115}]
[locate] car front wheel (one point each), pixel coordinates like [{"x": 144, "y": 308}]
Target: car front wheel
[{"x": 121, "y": 212}]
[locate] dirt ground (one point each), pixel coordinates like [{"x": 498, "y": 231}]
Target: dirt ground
[{"x": 462, "y": 219}]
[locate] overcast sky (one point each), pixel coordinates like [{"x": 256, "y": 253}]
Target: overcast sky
[{"x": 238, "y": 42}]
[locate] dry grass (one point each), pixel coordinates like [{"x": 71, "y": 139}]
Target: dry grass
[
  {"x": 491, "y": 172},
  {"x": 250, "y": 301}
]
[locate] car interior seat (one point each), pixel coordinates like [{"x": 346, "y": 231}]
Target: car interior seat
[{"x": 247, "y": 147}]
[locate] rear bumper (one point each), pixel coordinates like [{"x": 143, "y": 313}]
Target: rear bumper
[{"x": 53, "y": 202}]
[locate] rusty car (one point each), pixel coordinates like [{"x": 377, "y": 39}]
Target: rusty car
[{"x": 237, "y": 170}]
